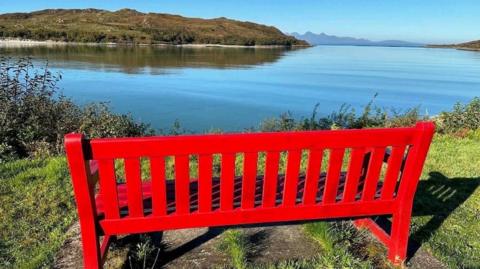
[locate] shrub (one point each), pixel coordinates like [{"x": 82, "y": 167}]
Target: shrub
[
  {"x": 462, "y": 117},
  {"x": 34, "y": 116},
  {"x": 345, "y": 118},
  {"x": 96, "y": 120}
]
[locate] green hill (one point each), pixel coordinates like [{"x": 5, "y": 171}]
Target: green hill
[{"x": 133, "y": 27}]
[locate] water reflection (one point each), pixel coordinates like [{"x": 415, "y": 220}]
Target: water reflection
[
  {"x": 238, "y": 88},
  {"x": 154, "y": 60}
]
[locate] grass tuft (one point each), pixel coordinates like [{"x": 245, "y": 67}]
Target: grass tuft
[
  {"x": 321, "y": 233},
  {"x": 235, "y": 243}
]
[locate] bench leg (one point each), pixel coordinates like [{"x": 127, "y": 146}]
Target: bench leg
[
  {"x": 396, "y": 242},
  {"x": 397, "y": 251},
  {"x": 91, "y": 247}
]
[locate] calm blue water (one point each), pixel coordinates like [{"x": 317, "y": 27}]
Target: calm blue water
[{"x": 232, "y": 90}]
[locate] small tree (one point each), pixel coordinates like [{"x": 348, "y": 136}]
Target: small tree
[{"x": 34, "y": 116}]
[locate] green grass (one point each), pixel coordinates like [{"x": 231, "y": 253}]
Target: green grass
[
  {"x": 322, "y": 233},
  {"x": 36, "y": 208},
  {"x": 447, "y": 204},
  {"x": 235, "y": 244}
]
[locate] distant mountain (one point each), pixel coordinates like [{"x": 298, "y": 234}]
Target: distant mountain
[
  {"x": 324, "y": 39},
  {"x": 133, "y": 27},
  {"x": 472, "y": 45}
]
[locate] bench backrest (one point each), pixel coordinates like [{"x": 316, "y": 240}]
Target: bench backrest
[{"x": 407, "y": 148}]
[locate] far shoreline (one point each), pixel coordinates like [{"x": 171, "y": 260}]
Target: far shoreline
[
  {"x": 31, "y": 43},
  {"x": 452, "y": 47}
]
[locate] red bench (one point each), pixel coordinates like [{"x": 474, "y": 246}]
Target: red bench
[{"x": 384, "y": 166}]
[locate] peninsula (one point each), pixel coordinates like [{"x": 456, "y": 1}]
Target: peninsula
[
  {"x": 127, "y": 26},
  {"x": 472, "y": 45}
]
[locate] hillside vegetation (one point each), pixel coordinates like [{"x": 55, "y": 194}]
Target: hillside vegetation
[
  {"x": 472, "y": 45},
  {"x": 475, "y": 45},
  {"x": 133, "y": 27}
]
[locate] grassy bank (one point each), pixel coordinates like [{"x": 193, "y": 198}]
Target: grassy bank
[{"x": 36, "y": 207}]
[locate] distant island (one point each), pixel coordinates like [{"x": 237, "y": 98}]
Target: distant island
[
  {"x": 127, "y": 26},
  {"x": 472, "y": 45},
  {"x": 324, "y": 39}
]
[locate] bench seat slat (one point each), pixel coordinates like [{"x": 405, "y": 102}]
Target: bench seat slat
[{"x": 216, "y": 183}]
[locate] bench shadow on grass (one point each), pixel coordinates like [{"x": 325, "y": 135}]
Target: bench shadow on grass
[{"x": 438, "y": 197}]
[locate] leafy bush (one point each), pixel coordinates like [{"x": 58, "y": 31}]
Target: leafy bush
[
  {"x": 345, "y": 118},
  {"x": 462, "y": 117},
  {"x": 34, "y": 117}
]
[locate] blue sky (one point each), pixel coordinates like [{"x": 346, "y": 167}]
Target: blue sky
[{"x": 428, "y": 21}]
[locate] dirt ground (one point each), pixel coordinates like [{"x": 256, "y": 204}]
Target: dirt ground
[{"x": 199, "y": 248}]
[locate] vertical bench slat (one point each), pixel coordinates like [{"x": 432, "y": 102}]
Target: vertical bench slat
[
  {"x": 333, "y": 175},
  {"x": 313, "y": 173},
  {"x": 134, "y": 187},
  {"x": 270, "y": 180},
  {"x": 393, "y": 170},
  {"x": 205, "y": 183},
  {"x": 373, "y": 174},
  {"x": 108, "y": 188},
  {"x": 159, "y": 188},
  {"x": 291, "y": 177},
  {"x": 249, "y": 179},
  {"x": 353, "y": 174},
  {"x": 182, "y": 184},
  {"x": 226, "y": 181}
]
